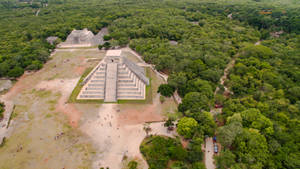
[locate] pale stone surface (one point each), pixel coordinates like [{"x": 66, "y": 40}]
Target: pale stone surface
[
  {"x": 113, "y": 53},
  {"x": 5, "y": 84},
  {"x": 111, "y": 82}
]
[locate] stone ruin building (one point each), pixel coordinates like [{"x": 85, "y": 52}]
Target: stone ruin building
[
  {"x": 115, "y": 78},
  {"x": 84, "y": 38}
]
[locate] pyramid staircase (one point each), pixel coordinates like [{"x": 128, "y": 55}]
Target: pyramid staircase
[{"x": 100, "y": 84}]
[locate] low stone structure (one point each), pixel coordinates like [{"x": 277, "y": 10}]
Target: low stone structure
[
  {"x": 52, "y": 39},
  {"x": 115, "y": 78}
]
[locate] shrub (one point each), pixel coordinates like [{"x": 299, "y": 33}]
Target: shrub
[
  {"x": 1, "y": 109},
  {"x": 106, "y": 37},
  {"x": 166, "y": 90},
  {"x": 16, "y": 72},
  {"x": 186, "y": 127},
  {"x": 162, "y": 99},
  {"x": 35, "y": 65},
  {"x": 132, "y": 164},
  {"x": 106, "y": 45},
  {"x": 158, "y": 151}
]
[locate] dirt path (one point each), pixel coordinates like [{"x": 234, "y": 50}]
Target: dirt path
[
  {"x": 225, "y": 75},
  {"x": 214, "y": 111},
  {"x": 209, "y": 147},
  {"x": 209, "y": 153},
  {"x": 177, "y": 98}
]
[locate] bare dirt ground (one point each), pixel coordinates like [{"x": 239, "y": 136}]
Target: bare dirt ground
[
  {"x": 48, "y": 132},
  {"x": 117, "y": 140},
  {"x": 62, "y": 106},
  {"x": 40, "y": 133},
  {"x": 140, "y": 114}
]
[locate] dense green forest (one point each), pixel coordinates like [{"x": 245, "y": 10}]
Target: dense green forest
[
  {"x": 191, "y": 41},
  {"x": 262, "y": 116}
]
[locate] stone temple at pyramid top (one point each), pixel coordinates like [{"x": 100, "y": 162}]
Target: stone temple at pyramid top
[
  {"x": 84, "y": 38},
  {"x": 115, "y": 78}
]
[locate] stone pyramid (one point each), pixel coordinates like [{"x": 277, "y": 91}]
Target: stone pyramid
[
  {"x": 115, "y": 78},
  {"x": 84, "y": 38}
]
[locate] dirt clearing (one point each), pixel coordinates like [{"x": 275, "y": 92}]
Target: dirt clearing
[{"x": 40, "y": 134}]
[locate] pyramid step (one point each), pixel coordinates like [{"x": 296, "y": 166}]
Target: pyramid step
[
  {"x": 127, "y": 88},
  {"x": 98, "y": 81},
  {"x": 100, "y": 73},
  {"x": 91, "y": 96},
  {"x": 95, "y": 85},
  {"x": 94, "y": 88},
  {"x": 99, "y": 77},
  {"x": 131, "y": 97},
  {"x": 129, "y": 93},
  {"x": 94, "y": 92}
]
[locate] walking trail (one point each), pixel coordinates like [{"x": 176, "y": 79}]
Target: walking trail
[{"x": 209, "y": 147}]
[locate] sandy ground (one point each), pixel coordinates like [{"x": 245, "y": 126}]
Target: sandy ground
[
  {"x": 138, "y": 114},
  {"x": 42, "y": 132},
  {"x": 65, "y": 87},
  {"x": 115, "y": 139}
]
